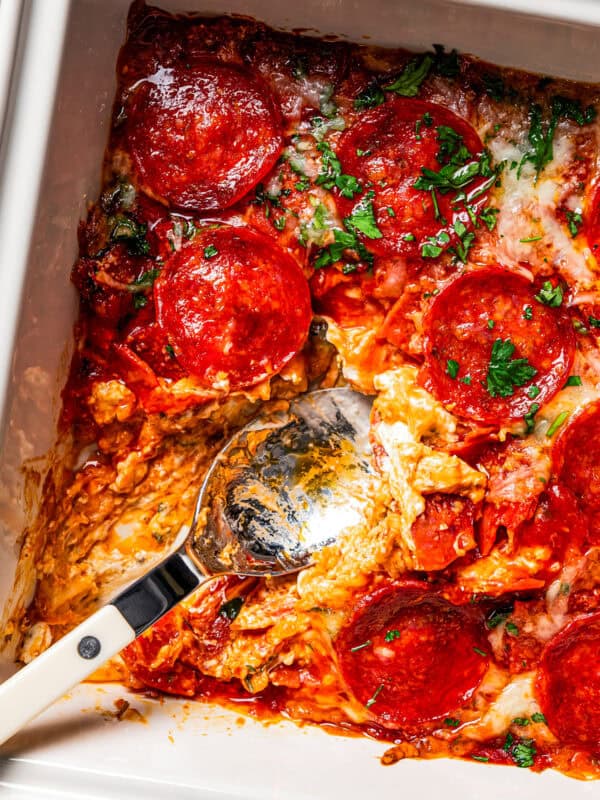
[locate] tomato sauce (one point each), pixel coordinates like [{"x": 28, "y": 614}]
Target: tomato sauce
[{"x": 281, "y": 213}]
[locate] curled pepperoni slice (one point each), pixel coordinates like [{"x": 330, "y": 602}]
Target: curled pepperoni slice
[
  {"x": 386, "y": 150},
  {"x": 200, "y": 138},
  {"x": 410, "y": 656},
  {"x": 235, "y": 307},
  {"x": 568, "y": 682},
  {"x": 577, "y": 464},
  {"x": 444, "y": 531},
  {"x": 489, "y": 341}
]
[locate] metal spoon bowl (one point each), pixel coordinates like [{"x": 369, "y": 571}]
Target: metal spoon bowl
[{"x": 282, "y": 488}]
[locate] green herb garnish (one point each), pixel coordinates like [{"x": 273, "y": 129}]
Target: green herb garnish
[
  {"x": 360, "y": 646},
  {"x": 231, "y": 608},
  {"x": 414, "y": 73},
  {"x": 452, "y": 722},
  {"x": 489, "y": 217},
  {"x": 529, "y": 417},
  {"x": 376, "y": 694},
  {"x": 560, "y": 420},
  {"x": 574, "y": 220},
  {"x": 331, "y": 173},
  {"x": 541, "y": 131},
  {"x": 505, "y": 372},
  {"x": 452, "y": 367},
  {"x": 132, "y": 234},
  {"x": 550, "y": 295},
  {"x": 362, "y": 218}
]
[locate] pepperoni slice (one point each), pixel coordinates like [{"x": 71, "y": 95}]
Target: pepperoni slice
[
  {"x": 444, "y": 531},
  {"x": 577, "y": 464},
  {"x": 592, "y": 222},
  {"x": 558, "y": 525},
  {"x": 235, "y": 307},
  {"x": 386, "y": 150},
  {"x": 410, "y": 656},
  {"x": 203, "y": 136},
  {"x": 464, "y": 325},
  {"x": 568, "y": 682}
]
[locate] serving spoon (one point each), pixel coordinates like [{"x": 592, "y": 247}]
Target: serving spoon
[{"x": 283, "y": 487}]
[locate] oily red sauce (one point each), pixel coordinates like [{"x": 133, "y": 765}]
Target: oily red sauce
[{"x": 250, "y": 184}]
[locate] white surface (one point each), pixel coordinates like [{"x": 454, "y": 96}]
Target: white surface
[
  {"x": 60, "y": 668},
  {"x": 205, "y": 754},
  {"x": 55, "y": 168}
]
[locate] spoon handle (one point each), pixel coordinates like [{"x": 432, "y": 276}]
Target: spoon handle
[{"x": 31, "y": 690}]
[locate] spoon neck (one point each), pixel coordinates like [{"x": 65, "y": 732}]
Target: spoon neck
[{"x": 153, "y": 595}]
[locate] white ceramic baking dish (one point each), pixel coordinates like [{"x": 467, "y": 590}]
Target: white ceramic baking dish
[{"x": 59, "y": 106}]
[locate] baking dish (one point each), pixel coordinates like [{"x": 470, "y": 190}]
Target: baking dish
[{"x": 74, "y": 148}]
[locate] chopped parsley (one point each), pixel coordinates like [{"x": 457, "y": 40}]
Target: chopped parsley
[
  {"x": 594, "y": 322},
  {"x": 512, "y": 629},
  {"x": 170, "y": 350},
  {"x": 279, "y": 223},
  {"x": 434, "y": 246},
  {"x": 496, "y": 618},
  {"x": 550, "y": 295},
  {"x": 533, "y": 391},
  {"x": 531, "y": 239},
  {"x": 489, "y": 217},
  {"x": 391, "y": 635},
  {"x": 145, "y": 281},
  {"x": 573, "y": 380},
  {"x": 522, "y": 722},
  {"x": 541, "y": 131},
  {"x": 528, "y": 312},
  {"x": 479, "y": 652},
  {"x": 451, "y": 722},
  {"x": 465, "y": 241},
  {"x": 343, "y": 240},
  {"x": 452, "y": 367},
  {"x": 211, "y": 251},
  {"x": 574, "y": 220},
  {"x": 376, "y": 694},
  {"x": 360, "y": 646},
  {"x": 560, "y": 420},
  {"x": 529, "y": 417},
  {"x": 231, "y": 608},
  {"x": 331, "y": 173},
  {"x": 370, "y": 97},
  {"x": 132, "y": 234},
  {"x": 408, "y": 83},
  {"x": 362, "y": 218},
  {"x": 484, "y": 759},
  {"x": 523, "y": 752},
  {"x": 412, "y": 76},
  {"x": 505, "y": 372},
  {"x": 466, "y": 380},
  {"x": 538, "y": 717},
  {"x": 139, "y": 301}
]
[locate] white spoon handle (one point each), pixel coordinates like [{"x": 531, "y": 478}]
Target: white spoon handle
[
  {"x": 61, "y": 667},
  {"x": 90, "y": 644}
]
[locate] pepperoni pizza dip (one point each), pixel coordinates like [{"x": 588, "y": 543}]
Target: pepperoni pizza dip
[{"x": 280, "y": 213}]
